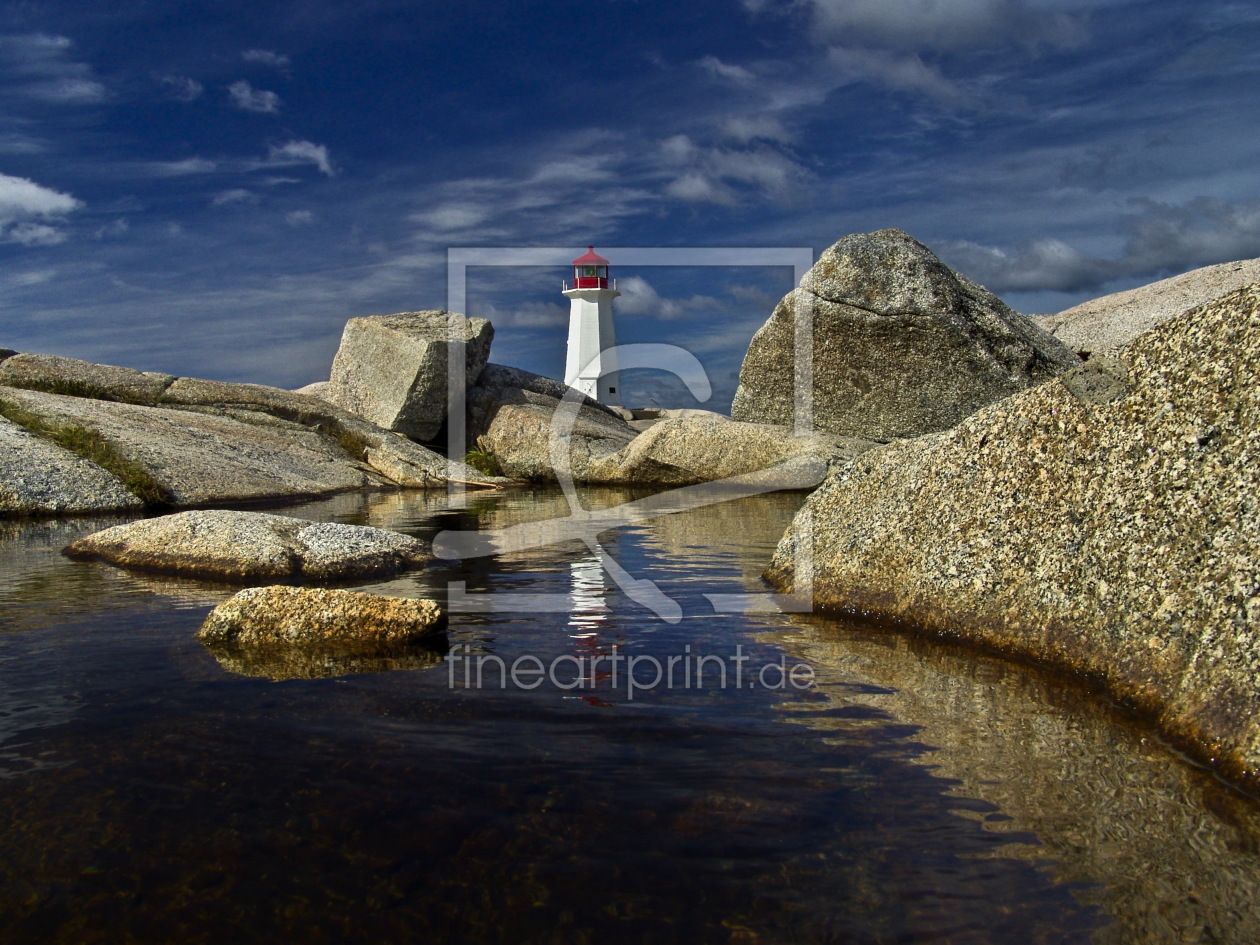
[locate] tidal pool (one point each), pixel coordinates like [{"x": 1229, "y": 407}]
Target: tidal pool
[{"x": 152, "y": 791}]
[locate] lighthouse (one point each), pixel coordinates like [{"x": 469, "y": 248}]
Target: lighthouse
[{"x": 591, "y": 366}]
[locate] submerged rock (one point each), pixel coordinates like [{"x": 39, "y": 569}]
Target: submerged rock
[
  {"x": 318, "y": 617},
  {"x": 902, "y": 344},
  {"x": 393, "y": 369},
  {"x": 248, "y": 546},
  {"x": 1109, "y": 526}
]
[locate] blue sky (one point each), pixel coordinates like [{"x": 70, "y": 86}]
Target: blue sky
[{"x": 213, "y": 189}]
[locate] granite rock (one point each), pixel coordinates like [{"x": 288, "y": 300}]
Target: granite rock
[
  {"x": 392, "y": 369},
  {"x": 206, "y": 458},
  {"x": 509, "y": 416},
  {"x": 58, "y": 375},
  {"x": 249, "y": 546},
  {"x": 1101, "y": 325},
  {"x": 683, "y": 451},
  {"x": 902, "y": 345},
  {"x": 38, "y": 477},
  {"x": 317, "y": 617},
  {"x": 1114, "y": 536}
]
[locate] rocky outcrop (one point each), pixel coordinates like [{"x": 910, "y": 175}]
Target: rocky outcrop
[
  {"x": 392, "y": 369},
  {"x": 318, "y": 389},
  {"x": 320, "y": 618},
  {"x": 1107, "y": 523},
  {"x": 510, "y": 414},
  {"x": 38, "y": 477},
  {"x": 1101, "y": 325},
  {"x": 902, "y": 345},
  {"x": 196, "y": 458},
  {"x": 251, "y": 546},
  {"x": 188, "y": 441},
  {"x": 705, "y": 449},
  {"x": 58, "y": 375}
]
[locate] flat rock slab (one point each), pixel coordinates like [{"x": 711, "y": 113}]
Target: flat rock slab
[
  {"x": 317, "y": 617},
  {"x": 58, "y": 375},
  {"x": 40, "y": 478},
  {"x": 249, "y": 546},
  {"x": 208, "y": 458}
]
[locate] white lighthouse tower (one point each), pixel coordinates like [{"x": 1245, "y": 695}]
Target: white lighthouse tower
[{"x": 591, "y": 366}]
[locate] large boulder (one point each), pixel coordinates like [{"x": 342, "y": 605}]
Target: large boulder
[
  {"x": 37, "y": 477},
  {"x": 510, "y": 414},
  {"x": 249, "y": 546},
  {"x": 708, "y": 448},
  {"x": 1107, "y": 523},
  {"x": 902, "y": 344},
  {"x": 1101, "y": 325},
  {"x": 392, "y": 369},
  {"x": 318, "y": 617}
]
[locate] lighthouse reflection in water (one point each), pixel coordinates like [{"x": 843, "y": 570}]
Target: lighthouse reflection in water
[{"x": 589, "y": 614}]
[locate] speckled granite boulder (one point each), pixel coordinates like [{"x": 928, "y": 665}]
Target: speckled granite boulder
[
  {"x": 318, "y": 617},
  {"x": 682, "y": 451},
  {"x": 510, "y": 415},
  {"x": 1101, "y": 325},
  {"x": 902, "y": 344},
  {"x": 40, "y": 478},
  {"x": 392, "y": 369},
  {"x": 1109, "y": 526},
  {"x": 249, "y": 546}
]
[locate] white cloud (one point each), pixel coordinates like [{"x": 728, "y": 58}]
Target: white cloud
[
  {"x": 302, "y": 152},
  {"x": 39, "y": 67},
  {"x": 235, "y": 196},
  {"x": 297, "y": 218},
  {"x": 192, "y": 165},
  {"x": 27, "y": 209},
  {"x": 742, "y": 129},
  {"x": 1163, "y": 239},
  {"x": 266, "y": 57},
  {"x": 182, "y": 88},
  {"x": 724, "y": 70},
  {"x": 902, "y": 72},
  {"x": 34, "y": 234},
  {"x": 526, "y": 315},
  {"x": 638, "y": 297},
  {"x": 718, "y": 174},
  {"x": 17, "y": 143},
  {"x": 247, "y": 98},
  {"x": 941, "y": 25},
  {"x": 451, "y": 217}
]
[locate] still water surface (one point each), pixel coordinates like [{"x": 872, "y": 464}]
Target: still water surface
[{"x": 152, "y": 791}]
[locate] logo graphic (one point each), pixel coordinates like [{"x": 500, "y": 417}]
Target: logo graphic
[{"x": 586, "y": 525}]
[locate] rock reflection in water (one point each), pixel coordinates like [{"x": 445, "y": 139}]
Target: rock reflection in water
[
  {"x": 280, "y": 663},
  {"x": 1174, "y": 854}
]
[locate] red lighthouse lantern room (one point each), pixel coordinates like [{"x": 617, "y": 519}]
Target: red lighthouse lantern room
[{"x": 590, "y": 271}]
